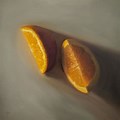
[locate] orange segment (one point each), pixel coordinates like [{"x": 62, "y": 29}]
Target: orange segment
[
  {"x": 79, "y": 65},
  {"x": 42, "y": 45},
  {"x": 36, "y": 47}
]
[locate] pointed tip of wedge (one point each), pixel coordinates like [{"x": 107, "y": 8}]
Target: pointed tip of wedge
[
  {"x": 65, "y": 43},
  {"x": 24, "y": 28}
]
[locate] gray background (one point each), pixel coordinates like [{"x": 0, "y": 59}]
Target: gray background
[{"x": 25, "y": 94}]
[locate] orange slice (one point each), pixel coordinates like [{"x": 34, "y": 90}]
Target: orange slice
[
  {"x": 79, "y": 65},
  {"x": 42, "y": 46}
]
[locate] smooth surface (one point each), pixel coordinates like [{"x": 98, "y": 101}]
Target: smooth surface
[{"x": 25, "y": 94}]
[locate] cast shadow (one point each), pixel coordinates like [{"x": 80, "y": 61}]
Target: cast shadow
[{"x": 108, "y": 85}]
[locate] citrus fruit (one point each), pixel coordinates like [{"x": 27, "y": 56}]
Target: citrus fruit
[
  {"x": 42, "y": 46},
  {"x": 79, "y": 65}
]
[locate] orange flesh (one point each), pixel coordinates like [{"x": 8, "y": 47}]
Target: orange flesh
[
  {"x": 36, "y": 47},
  {"x": 75, "y": 69}
]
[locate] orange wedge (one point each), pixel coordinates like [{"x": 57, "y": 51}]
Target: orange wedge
[
  {"x": 42, "y": 46},
  {"x": 79, "y": 65}
]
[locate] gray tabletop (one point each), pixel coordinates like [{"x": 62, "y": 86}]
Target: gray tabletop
[{"x": 25, "y": 94}]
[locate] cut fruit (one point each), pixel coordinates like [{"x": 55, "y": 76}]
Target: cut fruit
[
  {"x": 79, "y": 65},
  {"x": 42, "y": 46}
]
